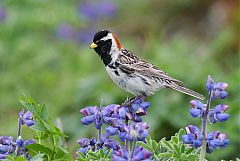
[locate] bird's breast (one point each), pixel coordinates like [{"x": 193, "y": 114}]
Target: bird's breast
[{"x": 132, "y": 83}]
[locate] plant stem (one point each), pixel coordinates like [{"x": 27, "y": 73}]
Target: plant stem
[
  {"x": 99, "y": 133},
  {"x": 134, "y": 146},
  {"x": 126, "y": 141},
  {"x": 19, "y": 128},
  {"x": 53, "y": 149},
  {"x": 100, "y": 129},
  {"x": 204, "y": 128}
]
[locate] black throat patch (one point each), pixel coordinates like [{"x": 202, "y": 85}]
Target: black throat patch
[{"x": 104, "y": 51}]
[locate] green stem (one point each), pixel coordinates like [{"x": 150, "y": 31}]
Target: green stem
[
  {"x": 53, "y": 149},
  {"x": 204, "y": 129}
]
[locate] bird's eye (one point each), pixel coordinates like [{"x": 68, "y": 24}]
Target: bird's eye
[{"x": 97, "y": 41}]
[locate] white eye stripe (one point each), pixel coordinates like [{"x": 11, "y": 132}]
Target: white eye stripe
[{"x": 109, "y": 36}]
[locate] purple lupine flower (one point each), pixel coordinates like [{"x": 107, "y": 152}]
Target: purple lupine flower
[
  {"x": 110, "y": 144},
  {"x": 139, "y": 154},
  {"x": 28, "y": 118},
  {"x": 107, "y": 115},
  {"x": 20, "y": 117},
  {"x": 7, "y": 146},
  {"x": 25, "y": 118},
  {"x": 3, "y": 156},
  {"x": 136, "y": 109},
  {"x": 93, "y": 11},
  {"x": 91, "y": 114},
  {"x": 218, "y": 89},
  {"x": 20, "y": 142},
  {"x": 193, "y": 137},
  {"x": 21, "y": 150},
  {"x": 217, "y": 114},
  {"x": 96, "y": 145},
  {"x": 197, "y": 109},
  {"x": 3, "y": 14},
  {"x": 64, "y": 32},
  {"x": 136, "y": 131},
  {"x": 216, "y": 140}
]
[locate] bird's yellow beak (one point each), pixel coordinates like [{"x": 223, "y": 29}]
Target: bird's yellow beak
[{"x": 93, "y": 45}]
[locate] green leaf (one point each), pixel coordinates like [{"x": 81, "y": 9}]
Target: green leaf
[
  {"x": 176, "y": 148},
  {"x": 81, "y": 159},
  {"x": 180, "y": 133},
  {"x": 39, "y": 127},
  {"x": 108, "y": 152},
  {"x": 39, "y": 148},
  {"x": 154, "y": 145},
  {"x": 61, "y": 152},
  {"x": 164, "y": 155},
  {"x": 189, "y": 150},
  {"x": 20, "y": 159},
  {"x": 149, "y": 140},
  {"x": 139, "y": 143},
  {"x": 92, "y": 155},
  {"x": 183, "y": 156},
  {"x": 167, "y": 145},
  {"x": 182, "y": 148},
  {"x": 101, "y": 153},
  {"x": 174, "y": 139},
  {"x": 37, "y": 157},
  {"x": 80, "y": 154}
]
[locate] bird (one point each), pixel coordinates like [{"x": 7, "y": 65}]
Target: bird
[{"x": 131, "y": 73}]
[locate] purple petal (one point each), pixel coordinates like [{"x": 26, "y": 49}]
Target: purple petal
[
  {"x": 111, "y": 131},
  {"x": 197, "y": 143},
  {"x": 83, "y": 150},
  {"x": 83, "y": 142},
  {"x": 210, "y": 83},
  {"x": 88, "y": 120},
  {"x": 195, "y": 112},
  {"x": 223, "y": 94},
  {"x": 4, "y": 148},
  {"x": 122, "y": 112},
  {"x": 221, "y": 86},
  {"x": 145, "y": 105},
  {"x": 222, "y": 117},
  {"x": 6, "y": 140},
  {"x": 19, "y": 141},
  {"x": 29, "y": 122},
  {"x": 187, "y": 139},
  {"x": 29, "y": 141}
]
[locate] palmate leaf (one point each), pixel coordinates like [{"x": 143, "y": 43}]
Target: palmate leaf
[
  {"x": 101, "y": 155},
  {"x": 36, "y": 109},
  {"x": 39, "y": 148},
  {"x": 176, "y": 149},
  {"x": 16, "y": 158}
]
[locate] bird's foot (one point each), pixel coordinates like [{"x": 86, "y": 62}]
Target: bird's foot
[{"x": 129, "y": 101}]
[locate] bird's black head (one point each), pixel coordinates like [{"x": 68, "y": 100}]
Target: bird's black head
[{"x": 102, "y": 43}]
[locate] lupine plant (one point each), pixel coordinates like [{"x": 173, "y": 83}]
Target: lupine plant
[
  {"x": 47, "y": 143},
  {"x": 121, "y": 134},
  {"x": 199, "y": 138}
]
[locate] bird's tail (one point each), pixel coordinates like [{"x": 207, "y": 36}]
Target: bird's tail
[{"x": 187, "y": 91}]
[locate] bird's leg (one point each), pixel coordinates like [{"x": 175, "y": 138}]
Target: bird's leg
[
  {"x": 127, "y": 102},
  {"x": 143, "y": 98}
]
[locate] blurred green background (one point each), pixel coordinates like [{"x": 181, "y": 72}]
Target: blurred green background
[{"x": 44, "y": 53}]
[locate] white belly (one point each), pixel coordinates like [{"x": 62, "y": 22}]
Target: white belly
[{"x": 135, "y": 84}]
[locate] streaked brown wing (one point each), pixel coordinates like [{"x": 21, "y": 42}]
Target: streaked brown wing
[{"x": 131, "y": 63}]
